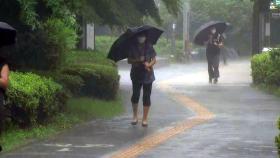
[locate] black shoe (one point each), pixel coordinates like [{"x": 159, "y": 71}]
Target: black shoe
[
  {"x": 215, "y": 80},
  {"x": 0, "y": 148}
]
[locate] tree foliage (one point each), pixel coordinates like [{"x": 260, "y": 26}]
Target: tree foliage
[
  {"x": 54, "y": 24},
  {"x": 125, "y": 12},
  {"x": 109, "y": 12}
]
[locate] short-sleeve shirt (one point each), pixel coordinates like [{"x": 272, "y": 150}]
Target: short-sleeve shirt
[{"x": 138, "y": 72}]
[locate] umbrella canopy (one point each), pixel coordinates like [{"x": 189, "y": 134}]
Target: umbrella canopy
[
  {"x": 120, "y": 48},
  {"x": 7, "y": 34},
  {"x": 201, "y": 34}
]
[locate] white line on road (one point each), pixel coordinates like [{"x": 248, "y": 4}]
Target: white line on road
[
  {"x": 64, "y": 150},
  {"x": 67, "y": 147}
]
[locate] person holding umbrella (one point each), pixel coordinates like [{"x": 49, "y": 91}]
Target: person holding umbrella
[
  {"x": 214, "y": 45},
  {"x": 142, "y": 58},
  {"x": 136, "y": 44},
  {"x": 210, "y": 34},
  {"x": 7, "y": 37}
]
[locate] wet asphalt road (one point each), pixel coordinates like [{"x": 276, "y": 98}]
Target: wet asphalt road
[{"x": 244, "y": 123}]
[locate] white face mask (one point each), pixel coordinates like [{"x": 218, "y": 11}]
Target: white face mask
[{"x": 141, "y": 39}]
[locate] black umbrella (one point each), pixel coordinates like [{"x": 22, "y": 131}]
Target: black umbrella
[
  {"x": 7, "y": 34},
  {"x": 201, "y": 34},
  {"x": 120, "y": 48}
]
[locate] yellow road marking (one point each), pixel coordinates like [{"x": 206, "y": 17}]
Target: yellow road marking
[{"x": 149, "y": 142}]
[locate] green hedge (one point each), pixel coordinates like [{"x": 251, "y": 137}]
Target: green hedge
[
  {"x": 36, "y": 95},
  {"x": 99, "y": 80},
  {"x": 277, "y": 139},
  {"x": 103, "y": 43},
  {"x": 106, "y": 83},
  {"x": 72, "y": 84},
  {"x": 265, "y": 68},
  {"x": 89, "y": 73}
]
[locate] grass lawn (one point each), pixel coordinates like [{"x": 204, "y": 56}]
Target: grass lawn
[{"x": 78, "y": 110}]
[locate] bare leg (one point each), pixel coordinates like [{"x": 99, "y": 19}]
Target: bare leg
[
  {"x": 135, "y": 114},
  {"x": 136, "y": 87},
  {"x": 145, "y": 115},
  {"x": 147, "y": 89}
]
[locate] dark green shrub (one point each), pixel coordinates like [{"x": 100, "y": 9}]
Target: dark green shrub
[
  {"x": 71, "y": 83},
  {"x": 106, "y": 84},
  {"x": 39, "y": 56},
  {"x": 99, "y": 74},
  {"x": 265, "y": 68},
  {"x": 99, "y": 80},
  {"x": 39, "y": 96},
  {"x": 45, "y": 47},
  {"x": 274, "y": 77},
  {"x": 260, "y": 67},
  {"x": 60, "y": 34},
  {"x": 103, "y": 43}
]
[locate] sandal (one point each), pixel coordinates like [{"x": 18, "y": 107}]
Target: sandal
[
  {"x": 144, "y": 124},
  {"x": 134, "y": 122}
]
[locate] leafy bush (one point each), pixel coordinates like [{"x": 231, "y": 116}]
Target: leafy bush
[
  {"x": 99, "y": 80},
  {"x": 71, "y": 83},
  {"x": 274, "y": 78},
  {"x": 265, "y": 68},
  {"x": 87, "y": 75},
  {"x": 61, "y": 37},
  {"x": 106, "y": 84},
  {"x": 39, "y": 96},
  {"x": 99, "y": 74},
  {"x": 45, "y": 47},
  {"x": 277, "y": 139},
  {"x": 39, "y": 56},
  {"x": 104, "y": 43},
  {"x": 61, "y": 34},
  {"x": 260, "y": 66}
]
